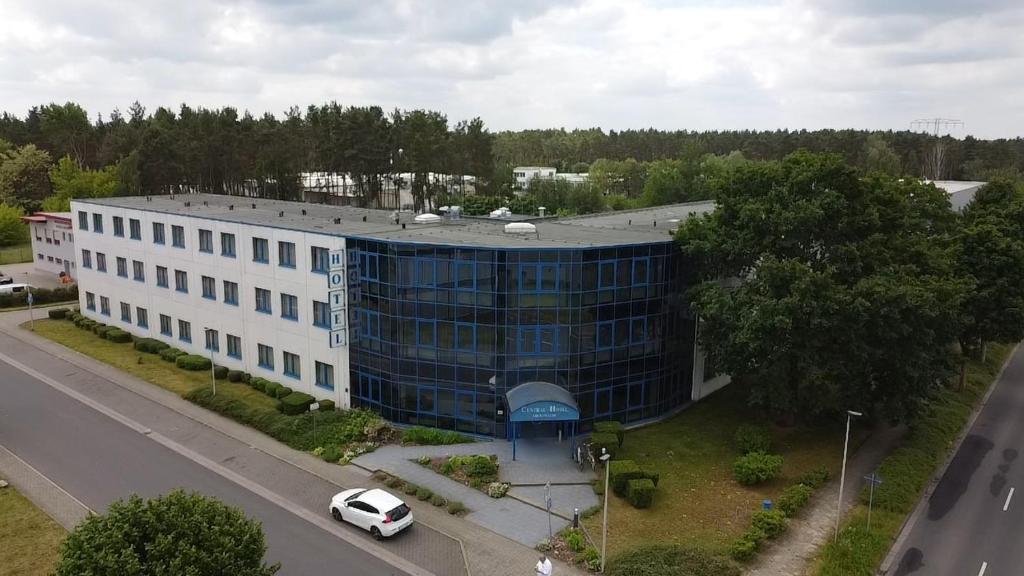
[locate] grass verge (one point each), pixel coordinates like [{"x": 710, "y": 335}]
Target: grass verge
[
  {"x": 907, "y": 471},
  {"x": 698, "y": 503},
  {"x": 29, "y": 539},
  {"x": 16, "y": 254}
]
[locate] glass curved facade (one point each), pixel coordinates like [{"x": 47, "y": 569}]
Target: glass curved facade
[{"x": 442, "y": 332}]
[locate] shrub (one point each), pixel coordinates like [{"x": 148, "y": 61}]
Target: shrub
[
  {"x": 665, "y": 559},
  {"x": 326, "y": 405},
  {"x": 640, "y": 492},
  {"x": 574, "y": 540},
  {"x": 744, "y": 547},
  {"x": 150, "y": 345},
  {"x": 544, "y": 545},
  {"x": 331, "y": 453},
  {"x": 497, "y": 489},
  {"x": 432, "y": 437},
  {"x": 410, "y": 488},
  {"x": 590, "y": 558},
  {"x": 57, "y": 313},
  {"x": 220, "y": 372},
  {"x": 171, "y": 354},
  {"x": 235, "y": 375},
  {"x": 621, "y": 472},
  {"x": 771, "y": 522},
  {"x": 246, "y": 377},
  {"x": 598, "y": 486},
  {"x": 794, "y": 498},
  {"x": 270, "y": 388},
  {"x": 756, "y": 467},
  {"x": 100, "y": 330},
  {"x": 192, "y": 362},
  {"x": 611, "y": 427},
  {"x": 296, "y": 403},
  {"x": 750, "y": 438},
  {"x": 815, "y": 478},
  {"x": 119, "y": 336},
  {"x": 258, "y": 384},
  {"x": 282, "y": 391},
  {"x": 394, "y": 482},
  {"x": 651, "y": 474},
  {"x": 606, "y": 440},
  {"x": 438, "y": 500},
  {"x": 457, "y": 508},
  {"x": 423, "y": 493}
]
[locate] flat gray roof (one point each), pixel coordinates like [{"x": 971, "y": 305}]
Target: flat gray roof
[{"x": 605, "y": 229}]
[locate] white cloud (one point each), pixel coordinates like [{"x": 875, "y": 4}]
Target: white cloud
[{"x": 580, "y": 63}]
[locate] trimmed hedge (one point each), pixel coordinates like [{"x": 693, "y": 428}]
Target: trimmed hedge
[
  {"x": 246, "y": 377},
  {"x": 119, "y": 336},
  {"x": 620, "y": 473},
  {"x": 171, "y": 354},
  {"x": 670, "y": 559},
  {"x": 750, "y": 438},
  {"x": 326, "y": 405},
  {"x": 193, "y": 362},
  {"x": 815, "y": 478},
  {"x": 40, "y": 296},
  {"x": 220, "y": 372},
  {"x": 651, "y": 474},
  {"x": 258, "y": 384},
  {"x": 150, "y": 345},
  {"x": 794, "y": 498},
  {"x": 606, "y": 440},
  {"x": 296, "y": 403},
  {"x": 611, "y": 427},
  {"x": 101, "y": 330},
  {"x": 640, "y": 492},
  {"x": 57, "y": 313},
  {"x": 235, "y": 375},
  {"x": 756, "y": 467},
  {"x": 282, "y": 391},
  {"x": 270, "y": 388},
  {"x": 432, "y": 437}
]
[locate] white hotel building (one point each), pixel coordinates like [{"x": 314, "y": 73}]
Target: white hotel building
[{"x": 255, "y": 295}]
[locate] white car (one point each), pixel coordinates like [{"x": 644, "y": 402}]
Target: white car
[
  {"x": 375, "y": 510},
  {"x": 15, "y": 288}
]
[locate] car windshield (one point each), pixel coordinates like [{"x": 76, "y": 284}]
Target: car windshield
[
  {"x": 398, "y": 513},
  {"x": 354, "y": 496}
]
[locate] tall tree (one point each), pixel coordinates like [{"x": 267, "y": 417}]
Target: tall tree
[
  {"x": 24, "y": 178},
  {"x": 66, "y": 131}
]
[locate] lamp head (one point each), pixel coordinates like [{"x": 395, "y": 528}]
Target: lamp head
[
  {"x": 605, "y": 457},
  {"x": 852, "y": 413}
]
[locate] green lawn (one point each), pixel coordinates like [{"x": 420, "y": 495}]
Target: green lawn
[
  {"x": 16, "y": 254},
  {"x": 29, "y": 539},
  {"x": 698, "y": 502}
]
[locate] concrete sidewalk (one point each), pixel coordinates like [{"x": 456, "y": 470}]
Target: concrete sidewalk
[{"x": 445, "y": 545}]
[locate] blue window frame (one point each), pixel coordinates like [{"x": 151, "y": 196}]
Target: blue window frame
[
  {"x": 165, "y": 325},
  {"x": 369, "y": 266},
  {"x": 265, "y": 356},
  {"x": 641, "y": 271},
  {"x": 426, "y": 399},
  {"x": 263, "y": 301},
  {"x": 97, "y": 223},
  {"x": 425, "y": 272},
  {"x": 607, "y": 274},
  {"x": 177, "y": 236},
  {"x": 212, "y": 340},
  {"x": 324, "y": 376},
  {"x": 289, "y": 307},
  {"x": 86, "y": 258},
  {"x": 465, "y": 337},
  {"x": 104, "y": 305},
  {"x": 161, "y": 276},
  {"x": 83, "y": 220},
  {"x": 227, "y": 245},
  {"x": 538, "y": 339},
  {"x": 181, "y": 281},
  {"x": 605, "y": 335},
  {"x": 138, "y": 271},
  {"x": 206, "y": 241},
  {"x": 426, "y": 333},
  {"x": 234, "y": 346},
  {"x": 231, "y": 293},
  {"x": 368, "y": 388},
  {"x": 119, "y": 226},
  {"x": 638, "y": 330},
  {"x": 209, "y": 288},
  {"x": 465, "y": 275},
  {"x": 184, "y": 331},
  {"x": 122, "y": 267},
  {"x": 90, "y": 301},
  {"x": 135, "y": 229},
  {"x": 602, "y": 402},
  {"x": 141, "y": 317},
  {"x": 538, "y": 277},
  {"x": 292, "y": 365},
  {"x": 465, "y": 405},
  {"x": 260, "y": 250},
  {"x": 286, "y": 254},
  {"x": 101, "y": 262},
  {"x": 126, "y": 312},
  {"x": 369, "y": 325},
  {"x": 158, "y": 233},
  {"x": 319, "y": 260},
  {"x": 321, "y": 314}
]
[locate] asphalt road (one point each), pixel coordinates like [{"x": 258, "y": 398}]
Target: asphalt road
[
  {"x": 974, "y": 520},
  {"x": 99, "y": 460}
]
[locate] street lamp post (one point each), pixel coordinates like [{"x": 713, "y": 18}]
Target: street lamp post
[
  {"x": 842, "y": 478},
  {"x": 213, "y": 367},
  {"x": 605, "y": 457}
]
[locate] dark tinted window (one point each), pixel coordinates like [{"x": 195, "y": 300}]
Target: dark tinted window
[{"x": 398, "y": 513}]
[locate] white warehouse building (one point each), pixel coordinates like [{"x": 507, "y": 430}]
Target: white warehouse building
[{"x": 256, "y": 294}]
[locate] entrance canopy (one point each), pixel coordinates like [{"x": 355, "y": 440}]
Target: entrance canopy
[{"x": 541, "y": 402}]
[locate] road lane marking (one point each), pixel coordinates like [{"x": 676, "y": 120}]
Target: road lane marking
[
  {"x": 1008, "y": 496},
  {"x": 981, "y": 572},
  {"x": 319, "y": 520}
]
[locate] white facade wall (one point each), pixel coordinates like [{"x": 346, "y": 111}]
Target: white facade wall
[
  {"x": 301, "y": 337},
  {"x": 53, "y": 247}
]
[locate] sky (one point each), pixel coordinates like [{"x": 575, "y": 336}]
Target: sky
[{"x": 518, "y": 64}]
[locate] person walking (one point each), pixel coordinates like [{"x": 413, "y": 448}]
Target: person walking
[{"x": 543, "y": 566}]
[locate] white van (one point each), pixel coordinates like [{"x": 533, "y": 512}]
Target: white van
[{"x": 15, "y": 288}]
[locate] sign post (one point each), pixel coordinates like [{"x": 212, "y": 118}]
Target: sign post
[
  {"x": 31, "y": 317},
  {"x": 547, "y": 505},
  {"x": 875, "y": 480},
  {"x": 312, "y": 411}
]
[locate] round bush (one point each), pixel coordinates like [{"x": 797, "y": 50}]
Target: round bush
[
  {"x": 771, "y": 522},
  {"x": 410, "y": 488},
  {"x": 150, "y": 345},
  {"x": 119, "y": 336},
  {"x": 744, "y": 548},
  {"x": 423, "y": 493},
  {"x": 794, "y": 498},
  {"x": 438, "y": 500},
  {"x": 750, "y": 438},
  {"x": 756, "y": 467},
  {"x": 171, "y": 354},
  {"x": 282, "y": 391},
  {"x": 57, "y": 313},
  {"x": 326, "y": 405},
  {"x": 235, "y": 375},
  {"x": 193, "y": 362},
  {"x": 220, "y": 372},
  {"x": 457, "y": 508}
]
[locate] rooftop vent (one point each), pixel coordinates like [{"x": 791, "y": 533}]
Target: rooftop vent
[
  {"x": 188, "y": 204},
  {"x": 520, "y": 228},
  {"x": 253, "y": 205},
  {"x": 231, "y": 206},
  {"x": 426, "y": 219},
  {"x": 541, "y": 210},
  {"x": 364, "y": 218},
  {"x": 502, "y": 212},
  {"x": 303, "y": 211},
  {"x": 337, "y": 220},
  {"x": 280, "y": 214},
  {"x": 205, "y": 203}
]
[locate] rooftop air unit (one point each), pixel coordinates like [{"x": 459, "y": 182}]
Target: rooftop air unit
[
  {"x": 520, "y": 228},
  {"x": 426, "y": 219}
]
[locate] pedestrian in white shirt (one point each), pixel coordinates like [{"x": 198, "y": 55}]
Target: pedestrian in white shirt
[{"x": 543, "y": 566}]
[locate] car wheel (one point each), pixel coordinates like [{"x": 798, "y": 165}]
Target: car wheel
[
  {"x": 336, "y": 513},
  {"x": 376, "y": 533}
]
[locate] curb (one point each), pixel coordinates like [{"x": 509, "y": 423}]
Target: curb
[{"x": 910, "y": 521}]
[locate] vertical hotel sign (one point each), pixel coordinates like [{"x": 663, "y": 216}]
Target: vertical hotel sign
[{"x": 343, "y": 294}]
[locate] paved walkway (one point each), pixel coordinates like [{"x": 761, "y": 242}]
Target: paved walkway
[
  {"x": 445, "y": 544},
  {"x": 50, "y": 498},
  {"x": 520, "y": 515},
  {"x": 791, "y": 554},
  {"x": 26, "y": 273}
]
